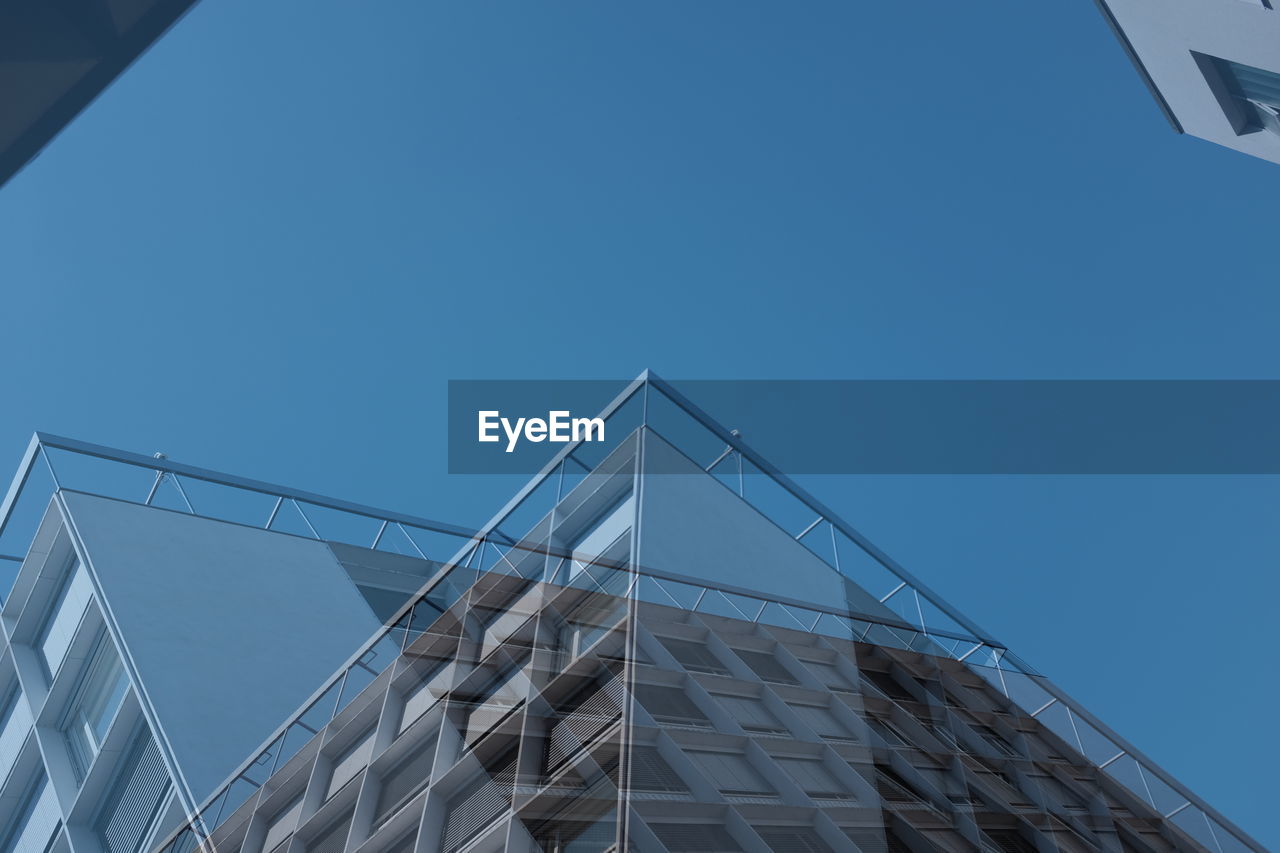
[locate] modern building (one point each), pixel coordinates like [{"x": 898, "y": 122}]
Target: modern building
[
  {"x": 1213, "y": 66},
  {"x": 141, "y": 651},
  {"x": 660, "y": 644}
]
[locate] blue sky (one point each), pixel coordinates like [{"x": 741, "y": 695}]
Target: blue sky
[{"x": 267, "y": 247}]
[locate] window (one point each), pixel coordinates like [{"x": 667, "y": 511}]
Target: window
[
  {"x": 650, "y": 774},
  {"x": 752, "y": 715},
  {"x": 333, "y": 838},
  {"x": 670, "y": 705},
  {"x": 403, "y": 781},
  {"x": 892, "y": 735},
  {"x": 596, "y": 707},
  {"x": 831, "y": 676},
  {"x": 766, "y": 666},
  {"x": 732, "y": 774},
  {"x": 423, "y": 696},
  {"x": 823, "y": 722},
  {"x": 55, "y": 635},
  {"x": 694, "y": 656},
  {"x": 586, "y": 625},
  {"x": 474, "y": 809},
  {"x": 814, "y": 778},
  {"x": 1250, "y": 96},
  {"x": 350, "y": 763},
  {"x": 603, "y": 541},
  {"x": 887, "y": 684},
  {"x": 996, "y": 739},
  {"x": 893, "y": 788},
  {"x": 97, "y": 698},
  {"x": 793, "y": 839},
  {"x": 503, "y": 692},
  {"x": 695, "y": 838},
  {"x": 13, "y": 730},
  {"x": 282, "y": 826}
]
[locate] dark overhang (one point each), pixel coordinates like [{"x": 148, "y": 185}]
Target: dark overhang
[{"x": 57, "y": 55}]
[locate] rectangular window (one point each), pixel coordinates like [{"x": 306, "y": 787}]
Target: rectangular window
[
  {"x": 650, "y": 773},
  {"x": 767, "y": 667},
  {"x": 282, "y": 826},
  {"x": 403, "y": 781},
  {"x": 14, "y": 730},
  {"x": 577, "y": 637},
  {"x": 823, "y": 722},
  {"x": 670, "y": 705},
  {"x": 893, "y": 788},
  {"x": 603, "y": 542},
  {"x": 731, "y": 773},
  {"x": 349, "y": 764},
  {"x": 423, "y": 696},
  {"x": 1249, "y": 96},
  {"x": 892, "y": 735},
  {"x": 694, "y": 656},
  {"x": 752, "y": 715},
  {"x": 695, "y": 838},
  {"x": 793, "y": 839},
  {"x": 333, "y": 838},
  {"x": 503, "y": 692},
  {"x": 814, "y": 778},
  {"x": 55, "y": 635},
  {"x": 475, "y": 808},
  {"x": 831, "y": 676},
  {"x": 98, "y": 697},
  {"x": 887, "y": 684}
]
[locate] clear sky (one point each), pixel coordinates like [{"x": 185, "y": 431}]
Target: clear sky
[{"x": 267, "y": 247}]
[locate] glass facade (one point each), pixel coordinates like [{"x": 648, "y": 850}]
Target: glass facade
[
  {"x": 710, "y": 661},
  {"x": 98, "y": 697}
]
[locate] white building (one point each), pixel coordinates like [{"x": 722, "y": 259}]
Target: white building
[{"x": 1212, "y": 65}]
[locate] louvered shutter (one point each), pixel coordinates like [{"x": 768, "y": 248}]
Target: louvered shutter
[
  {"x": 793, "y": 839},
  {"x": 731, "y": 773},
  {"x": 670, "y": 705},
  {"x": 694, "y": 656},
  {"x": 752, "y": 714},
  {"x": 479, "y": 805},
  {"x": 138, "y": 793},
  {"x": 583, "y": 723},
  {"x": 651, "y": 774},
  {"x": 822, "y": 721},
  {"x": 695, "y": 838},
  {"x": 814, "y": 778}
]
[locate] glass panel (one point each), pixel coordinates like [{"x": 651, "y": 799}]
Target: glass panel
[
  {"x": 97, "y": 699},
  {"x": 64, "y": 617}
]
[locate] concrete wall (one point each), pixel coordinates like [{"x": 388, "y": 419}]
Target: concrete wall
[{"x": 230, "y": 628}]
